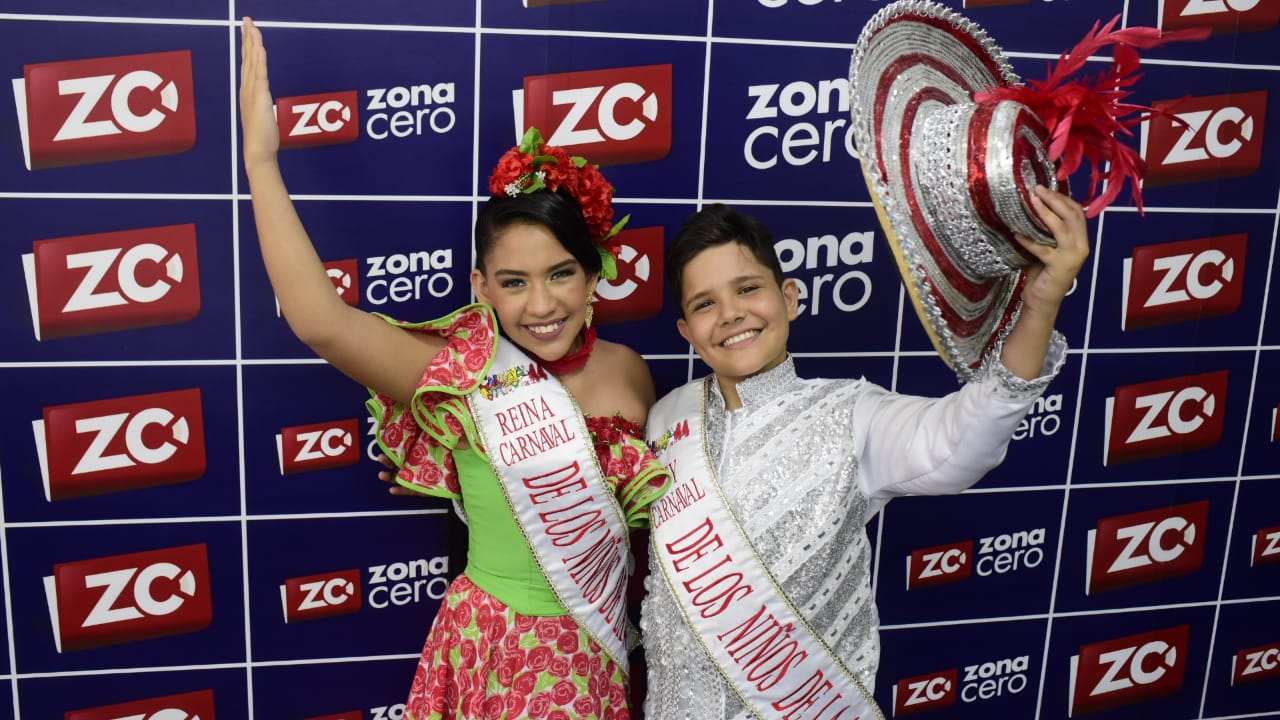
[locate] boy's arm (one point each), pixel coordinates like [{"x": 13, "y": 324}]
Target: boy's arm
[
  {"x": 930, "y": 446},
  {"x": 1047, "y": 283},
  {"x": 912, "y": 445}
]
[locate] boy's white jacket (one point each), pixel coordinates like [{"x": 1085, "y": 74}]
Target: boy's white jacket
[{"x": 803, "y": 465}]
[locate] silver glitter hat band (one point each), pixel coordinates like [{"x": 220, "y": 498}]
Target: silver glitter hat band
[{"x": 951, "y": 179}]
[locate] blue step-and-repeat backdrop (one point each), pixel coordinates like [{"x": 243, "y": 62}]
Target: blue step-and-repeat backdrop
[{"x": 191, "y": 522}]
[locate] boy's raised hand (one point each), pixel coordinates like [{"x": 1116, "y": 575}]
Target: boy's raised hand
[
  {"x": 257, "y": 115},
  {"x": 1049, "y": 281}
]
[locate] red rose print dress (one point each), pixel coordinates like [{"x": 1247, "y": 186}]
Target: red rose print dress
[{"x": 502, "y": 646}]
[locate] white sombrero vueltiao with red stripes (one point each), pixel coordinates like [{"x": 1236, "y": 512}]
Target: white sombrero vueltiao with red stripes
[
  {"x": 951, "y": 179},
  {"x": 952, "y": 145}
]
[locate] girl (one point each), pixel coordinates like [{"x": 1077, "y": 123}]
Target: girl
[{"x": 512, "y": 408}]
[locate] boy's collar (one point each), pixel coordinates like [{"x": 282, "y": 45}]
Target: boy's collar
[{"x": 760, "y": 388}]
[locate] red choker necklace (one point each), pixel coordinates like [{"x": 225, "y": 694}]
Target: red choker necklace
[{"x": 574, "y": 360}]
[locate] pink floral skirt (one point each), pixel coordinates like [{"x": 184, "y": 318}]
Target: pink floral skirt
[{"x": 483, "y": 660}]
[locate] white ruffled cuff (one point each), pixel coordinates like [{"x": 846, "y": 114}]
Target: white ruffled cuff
[{"x": 1012, "y": 387}]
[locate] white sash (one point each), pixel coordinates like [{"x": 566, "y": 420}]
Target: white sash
[
  {"x": 540, "y": 449},
  {"x": 765, "y": 649}
]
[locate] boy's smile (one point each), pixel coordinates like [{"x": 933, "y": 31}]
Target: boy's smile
[{"x": 735, "y": 315}]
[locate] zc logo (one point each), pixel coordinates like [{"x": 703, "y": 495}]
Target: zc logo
[
  {"x": 1213, "y": 137},
  {"x": 319, "y": 596},
  {"x": 123, "y": 598},
  {"x": 319, "y": 446},
  {"x": 939, "y": 565},
  {"x": 325, "y": 119},
  {"x": 1165, "y": 417},
  {"x": 1128, "y": 670},
  {"x": 925, "y": 692},
  {"x": 1181, "y": 281},
  {"x": 614, "y": 116},
  {"x": 120, "y": 444},
  {"x": 1256, "y": 663},
  {"x": 345, "y": 276},
  {"x": 113, "y": 281},
  {"x": 187, "y": 706},
  {"x": 1224, "y": 16},
  {"x": 636, "y": 293},
  {"x": 1146, "y": 547},
  {"x": 1265, "y": 547},
  {"x": 90, "y": 111}
]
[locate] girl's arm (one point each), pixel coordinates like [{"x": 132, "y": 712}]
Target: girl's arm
[{"x": 362, "y": 346}]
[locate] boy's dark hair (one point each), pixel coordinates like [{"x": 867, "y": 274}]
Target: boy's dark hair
[
  {"x": 715, "y": 225},
  {"x": 556, "y": 211}
]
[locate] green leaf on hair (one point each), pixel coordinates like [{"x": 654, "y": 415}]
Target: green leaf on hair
[
  {"x": 608, "y": 264},
  {"x": 617, "y": 227},
  {"x": 531, "y": 142}
]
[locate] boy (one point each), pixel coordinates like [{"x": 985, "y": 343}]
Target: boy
[{"x": 759, "y": 596}]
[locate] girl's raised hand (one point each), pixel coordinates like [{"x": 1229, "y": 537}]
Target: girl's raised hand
[{"x": 257, "y": 115}]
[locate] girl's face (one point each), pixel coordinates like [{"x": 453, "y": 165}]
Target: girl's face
[{"x": 537, "y": 288}]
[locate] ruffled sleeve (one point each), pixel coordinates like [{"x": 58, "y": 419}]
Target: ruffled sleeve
[
  {"x": 635, "y": 473},
  {"x": 420, "y": 438}
]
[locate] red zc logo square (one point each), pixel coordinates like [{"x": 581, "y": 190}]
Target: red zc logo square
[
  {"x": 187, "y": 706},
  {"x": 636, "y": 293},
  {"x": 325, "y": 119},
  {"x": 939, "y": 565},
  {"x": 1146, "y": 547},
  {"x": 925, "y": 692},
  {"x": 112, "y": 281},
  {"x": 121, "y": 444},
  {"x": 345, "y": 276},
  {"x": 1256, "y": 663},
  {"x": 77, "y": 112},
  {"x": 1219, "y": 136},
  {"x": 1224, "y": 16},
  {"x": 124, "y": 598},
  {"x": 320, "y": 596},
  {"x": 318, "y": 446},
  {"x": 1128, "y": 670},
  {"x": 1265, "y": 547},
  {"x": 614, "y": 116},
  {"x": 1181, "y": 281},
  {"x": 1165, "y": 417}
]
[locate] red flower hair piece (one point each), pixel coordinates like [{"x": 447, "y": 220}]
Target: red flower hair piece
[
  {"x": 1084, "y": 115},
  {"x": 532, "y": 166}
]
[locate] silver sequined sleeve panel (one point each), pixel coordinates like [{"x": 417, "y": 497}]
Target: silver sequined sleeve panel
[
  {"x": 803, "y": 509},
  {"x": 932, "y": 446}
]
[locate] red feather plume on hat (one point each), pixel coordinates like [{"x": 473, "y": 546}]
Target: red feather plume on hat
[{"x": 1084, "y": 115}]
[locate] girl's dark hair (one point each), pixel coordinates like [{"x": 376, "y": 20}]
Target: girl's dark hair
[
  {"x": 556, "y": 211},
  {"x": 715, "y": 225}
]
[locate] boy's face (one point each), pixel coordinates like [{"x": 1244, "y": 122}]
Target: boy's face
[{"x": 735, "y": 315}]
